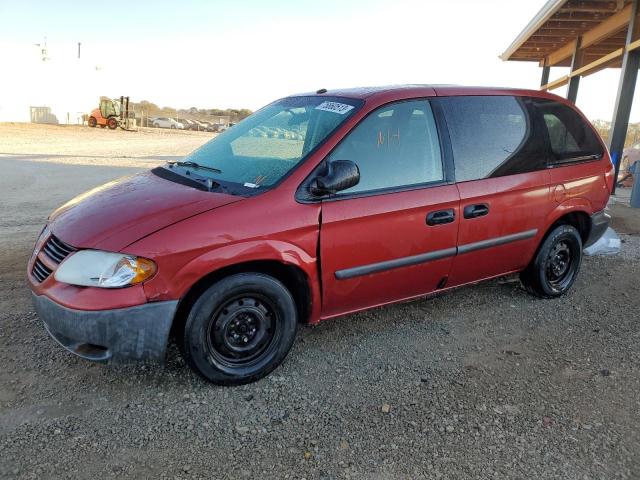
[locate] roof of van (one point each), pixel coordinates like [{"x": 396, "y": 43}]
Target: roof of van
[{"x": 417, "y": 90}]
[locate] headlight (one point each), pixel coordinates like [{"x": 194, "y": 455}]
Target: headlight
[{"x": 93, "y": 268}]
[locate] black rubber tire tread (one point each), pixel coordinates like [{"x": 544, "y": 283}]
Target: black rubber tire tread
[
  {"x": 533, "y": 277},
  {"x": 191, "y": 338}
]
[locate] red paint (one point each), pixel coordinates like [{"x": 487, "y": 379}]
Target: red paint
[
  {"x": 115, "y": 214},
  {"x": 192, "y": 233},
  {"x": 517, "y": 203},
  {"x": 367, "y": 230}
]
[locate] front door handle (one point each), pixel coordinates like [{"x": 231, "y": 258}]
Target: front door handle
[
  {"x": 441, "y": 216},
  {"x": 478, "y": 210}
]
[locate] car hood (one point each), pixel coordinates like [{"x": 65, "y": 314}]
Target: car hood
[{"x": 118, "y": 213}]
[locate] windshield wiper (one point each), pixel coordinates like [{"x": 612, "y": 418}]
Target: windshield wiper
[{"x": 195, "y": 165}]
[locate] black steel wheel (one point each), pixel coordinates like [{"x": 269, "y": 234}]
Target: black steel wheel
[
  {"x": 556, "y": 264},
  {"x": 92, "y": 121},
  {"x": 239, "y": 329},
  {"x": 559, "y": 265},
  {"x": 112, "y": 123}
]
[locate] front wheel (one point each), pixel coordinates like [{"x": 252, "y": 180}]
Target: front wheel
[
  {"x": 112, "y": 123},
  {"x": 240, "y": 329},
  {"x": 556, "y": 265}
]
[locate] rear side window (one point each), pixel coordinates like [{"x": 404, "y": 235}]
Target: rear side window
[
  {"x": 493, "y": 136},
  {"x": 570, "y": 137},
  {"x": 395, "y": 146}
]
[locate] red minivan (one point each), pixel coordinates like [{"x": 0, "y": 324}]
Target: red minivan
[{"x": 319, "y": 205}]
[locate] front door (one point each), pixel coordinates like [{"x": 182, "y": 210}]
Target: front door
[{"x": 392, "y": 236}]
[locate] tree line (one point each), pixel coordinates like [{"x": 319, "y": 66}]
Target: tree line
[
  {"x": 150, "y": 109},
  {"x": 633, "y": 132}
]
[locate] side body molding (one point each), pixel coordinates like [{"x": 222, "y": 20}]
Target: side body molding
[{"x": 431, "y": 256}]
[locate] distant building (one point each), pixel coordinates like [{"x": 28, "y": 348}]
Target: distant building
[{"x": 47, "y": 85}]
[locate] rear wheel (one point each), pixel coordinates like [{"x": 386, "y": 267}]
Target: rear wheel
[
  {"x": 240, "y": 329},
  {"x": 92, "y": 121},
  {"x": 556, "y": 265},
  {"x": 112, "y": 123}
]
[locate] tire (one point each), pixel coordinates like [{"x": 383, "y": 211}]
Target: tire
[
  {"x": 112, "y": 123},
  {"x": 92, "y": 122},
  {"x": 173, "y": 127},
  {"x": 555, "y": 267},
  {"x": 240, "y": 329}
]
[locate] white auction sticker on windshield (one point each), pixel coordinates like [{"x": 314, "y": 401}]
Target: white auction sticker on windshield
[{"x": 335, "y": 107}]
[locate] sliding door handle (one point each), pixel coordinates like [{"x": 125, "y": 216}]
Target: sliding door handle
[
  {"x": 441, "y": 216},
  {"x": 478, "y": 210}
]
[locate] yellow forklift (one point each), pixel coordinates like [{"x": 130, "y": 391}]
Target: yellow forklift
[{"x": 113, "y": 113}]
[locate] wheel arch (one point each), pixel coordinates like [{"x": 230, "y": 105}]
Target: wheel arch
[
  {"x": 294, "y": 278},
  {"x": 575, "y": 212},
  {"x": 578, "y": 219}
]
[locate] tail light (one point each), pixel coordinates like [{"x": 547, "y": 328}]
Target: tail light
[{"x": 610, "y": 173}]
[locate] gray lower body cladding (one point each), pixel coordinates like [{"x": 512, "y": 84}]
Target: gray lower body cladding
[
  {"x": 119, "y": 335},
  {"x": 599, "y": 225}
]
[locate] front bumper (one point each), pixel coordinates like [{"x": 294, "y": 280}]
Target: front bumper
[
  {"x": 599, "y": 225},
  {"x": 120, "y": 335}
]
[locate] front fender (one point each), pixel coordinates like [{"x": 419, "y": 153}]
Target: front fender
[{"x": 228, "y": 255}]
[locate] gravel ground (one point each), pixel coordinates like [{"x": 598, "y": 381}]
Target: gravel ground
[{"x": 481, "y": 382}]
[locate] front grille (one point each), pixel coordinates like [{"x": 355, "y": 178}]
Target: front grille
[
  {"x": 40, "y": 271},
  {"x": 57, "y": 251}
]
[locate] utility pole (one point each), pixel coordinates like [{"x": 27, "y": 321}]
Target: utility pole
[{"x": 78, "y": 50}]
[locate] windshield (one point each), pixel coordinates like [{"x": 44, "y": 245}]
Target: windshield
[{"x": 264, "y": 147}]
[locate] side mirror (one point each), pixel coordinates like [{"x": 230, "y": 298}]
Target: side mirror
[{"x": 341, "y": 174}]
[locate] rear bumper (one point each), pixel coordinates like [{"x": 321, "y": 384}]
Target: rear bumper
[
  {"x": 120, "y": 335},
  {"x": 599, "y": 225}
]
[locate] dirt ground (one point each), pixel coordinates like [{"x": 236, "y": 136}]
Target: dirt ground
[
  {"x": 54, "y": 163},
  {"x": 482, "y": 382}
]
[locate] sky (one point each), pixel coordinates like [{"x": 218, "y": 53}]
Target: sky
[{"x": 244, "y": 54}]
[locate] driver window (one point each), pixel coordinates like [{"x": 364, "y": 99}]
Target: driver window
[{"x": 395, "y": 146}]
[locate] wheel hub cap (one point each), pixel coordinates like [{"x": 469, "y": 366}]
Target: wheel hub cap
[
  {"x": 242, "y": 329},
  {"x": 559, "y": 261}
]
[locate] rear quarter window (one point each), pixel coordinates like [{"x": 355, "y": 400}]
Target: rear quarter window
[
  {"x": 493, "y": 136},
  {"x": 571, "y": 138}
]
